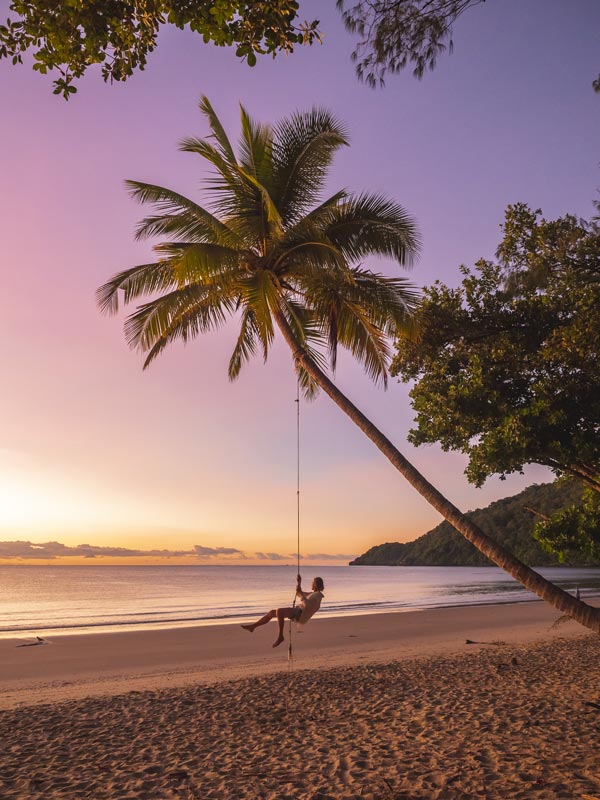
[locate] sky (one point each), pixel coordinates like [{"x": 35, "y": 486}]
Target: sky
[{"x": 176, "y": 462}]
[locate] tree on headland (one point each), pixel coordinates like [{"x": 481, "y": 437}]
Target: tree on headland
[
  {"x": 515, "y": 354},
  {"x": 119, "y": 34},
  {"x": 276, "y": 256},
  {"x": 573, "y": 533}
]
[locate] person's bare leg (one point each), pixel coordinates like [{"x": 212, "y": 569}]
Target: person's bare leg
[
  {"x": 282, "y": 615},
  {"x": 262, "y": 621}
]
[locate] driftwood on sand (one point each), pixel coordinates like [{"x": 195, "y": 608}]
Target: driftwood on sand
[{"x": 37, "y": 642}]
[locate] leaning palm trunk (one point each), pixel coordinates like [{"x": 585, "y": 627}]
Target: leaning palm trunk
[
  {"x": 271, "y": 254},
  {"x": 587, "y": 616}
]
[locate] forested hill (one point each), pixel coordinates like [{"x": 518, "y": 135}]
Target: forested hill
[{"x": 506, "y": 521}]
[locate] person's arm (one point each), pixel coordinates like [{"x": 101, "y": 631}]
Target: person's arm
[{"x": 299, "y": 592}]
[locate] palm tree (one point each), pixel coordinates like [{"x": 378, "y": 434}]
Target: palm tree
[{"x": 274, "y": 255}]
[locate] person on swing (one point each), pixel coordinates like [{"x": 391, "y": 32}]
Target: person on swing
[{"x": 309, "y": 604}]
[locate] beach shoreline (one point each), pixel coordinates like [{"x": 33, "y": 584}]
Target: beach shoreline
[
  {"x": 590, "y": 596},
  {"x": 75, "y": 666}
]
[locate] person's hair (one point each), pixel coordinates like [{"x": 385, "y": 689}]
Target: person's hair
[{"x": 319, "y": 584}]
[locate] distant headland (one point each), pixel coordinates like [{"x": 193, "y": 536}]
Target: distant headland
[{"x": 509, "y": 521}]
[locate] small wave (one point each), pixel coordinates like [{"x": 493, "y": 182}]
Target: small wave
[
  {"x": 338, "y": 609},
  {"x": 85, "y": 624}
]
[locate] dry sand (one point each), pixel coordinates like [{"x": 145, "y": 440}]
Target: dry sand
[{"x": 398, "y": 707}]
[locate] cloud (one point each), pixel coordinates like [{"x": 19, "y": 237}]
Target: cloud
[
  {"x": 211, "y": 552},
  {"x": 329, "y": 556},
  {"x": 322, "y": 557},
  {"x": 52, "y": 550},
  {"x": 272, "y": 557}
]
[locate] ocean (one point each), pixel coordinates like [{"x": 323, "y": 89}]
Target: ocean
[{"x": 68, "y": 599}]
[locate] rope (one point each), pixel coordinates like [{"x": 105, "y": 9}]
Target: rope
[
  {"x": 297, "y": 401},
  {"x": 298, "y": 475}
]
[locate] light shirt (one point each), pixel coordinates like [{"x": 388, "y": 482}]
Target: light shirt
[{"x": 309, "y": 605}]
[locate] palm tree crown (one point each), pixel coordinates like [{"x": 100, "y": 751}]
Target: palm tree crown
[{"x": 270, "y": 247}]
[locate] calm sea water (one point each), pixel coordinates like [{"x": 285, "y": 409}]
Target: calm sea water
[{"x": 64, "y": 599}]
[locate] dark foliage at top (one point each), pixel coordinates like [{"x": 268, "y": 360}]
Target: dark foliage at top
[
  {"x": 395, "y": 34},
  {"x": 119, "y": 34}
]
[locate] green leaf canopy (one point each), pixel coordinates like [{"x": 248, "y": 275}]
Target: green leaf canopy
[{"x": 507, "y": 367}]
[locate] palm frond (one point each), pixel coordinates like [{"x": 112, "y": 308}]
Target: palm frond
[
  {"x": 303, "y": 149},
  {"x": 134, "y": 282},
  {"x": 306, "y": 327},
  {"x": 361, "y": 314},
  {"x": 256, "y": 149},
  {"x": 212, "y": 154},
  {"x": 194, "y": 262},
  {"x": 370, "y": 224},
  {"x": 366, "y": 342},
  {"x": 182, "y": 314},
  {"x": 218, "y": 131},
  {"x": 308, "y": 331},
  {"x": 272, "y": 214},
  {"x": 392, "y": 302},
  {"x": 301, "y": 257},
  {"x": 245, "y": 346},
  {"x": 304, "y": 245},
  {"x": 320, "y": 215},
  {"x": 177, "y": 213},
  {"x": 308, "y": 386},
  {"x": 184, "y": 227},
  {"x": 259, "y": 293},
  {"x": 238, "y": 196}
]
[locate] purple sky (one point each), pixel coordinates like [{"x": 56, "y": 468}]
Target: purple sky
[{"x": 94, "y": 450}]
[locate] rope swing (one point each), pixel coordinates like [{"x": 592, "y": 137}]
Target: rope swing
[{"x": 297, "y": 401}]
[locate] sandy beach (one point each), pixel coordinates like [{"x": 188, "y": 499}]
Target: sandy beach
[{"x": 378, "y": 706}]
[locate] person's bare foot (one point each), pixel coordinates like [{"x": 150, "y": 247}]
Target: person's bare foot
[
  {"x": 278, "y": 641},
  {"x": 248, "y": 628}
]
